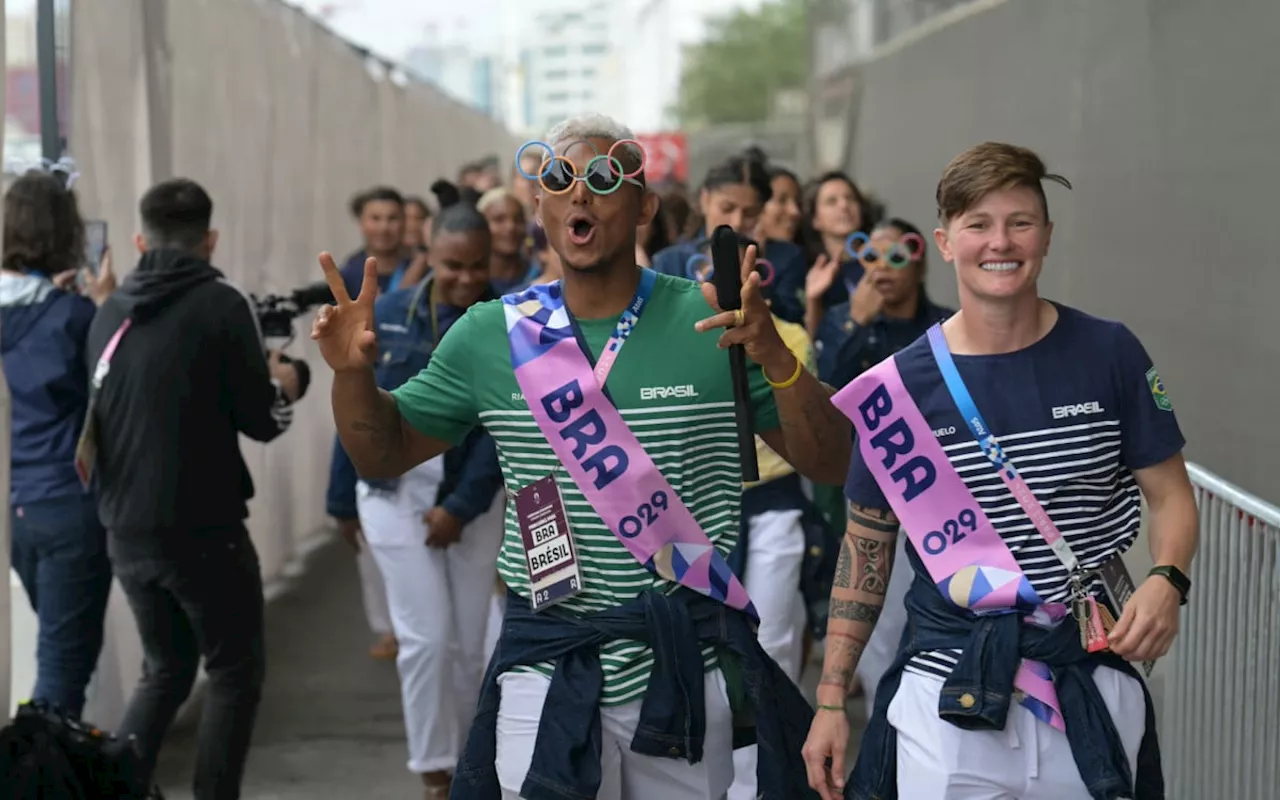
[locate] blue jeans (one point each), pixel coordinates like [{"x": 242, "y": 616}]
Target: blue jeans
[
  {"x": 769, "y": 710},
  {"x": 59, "y": 551}
]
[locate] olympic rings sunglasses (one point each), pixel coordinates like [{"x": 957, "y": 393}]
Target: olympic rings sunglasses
[
  {"x": 699, "y": 268},
  {"x": 906, "y": 251},
  {"x": 604, "y": 174}
]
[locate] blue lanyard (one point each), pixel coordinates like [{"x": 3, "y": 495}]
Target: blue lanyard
[
  {"x": 396, "y": 277},
  {"x": 991, "y": 448},
  {"x": 626, "y": 324},
  {"x": 964, "y": 401}
]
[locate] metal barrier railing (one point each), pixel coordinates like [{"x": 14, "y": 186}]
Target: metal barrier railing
[{"x": 1221, "y": 715}]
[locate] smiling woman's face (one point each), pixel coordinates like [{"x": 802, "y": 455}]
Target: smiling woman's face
[
  {"x": 506, "y": 226},
  {"x": 998, "y": 245},
  {"x": 836, "y": 211}
]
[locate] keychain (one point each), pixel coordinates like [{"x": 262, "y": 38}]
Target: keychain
[{"x": 1093, "y": 618}]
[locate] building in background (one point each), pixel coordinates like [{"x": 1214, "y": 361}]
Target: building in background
[
  {"x": 532, "y": 63},
  {"x": 469, "y": 77},
  {"x": 622, "y": 58},
  {"x": 561, "y": 61}
]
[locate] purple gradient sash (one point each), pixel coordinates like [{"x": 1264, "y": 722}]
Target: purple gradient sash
[
  {"x": 959, "y": 546},
  {"x": 599, "y": 451}
]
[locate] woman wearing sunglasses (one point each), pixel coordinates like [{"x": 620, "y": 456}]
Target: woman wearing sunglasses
[
  {"x": 885, "y": 310},
  {"x": 734, "y": 193}
]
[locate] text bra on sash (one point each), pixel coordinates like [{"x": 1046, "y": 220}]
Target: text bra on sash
[
  {"x": 600, "y": 453},
  {"x": 958, "y": 545}
]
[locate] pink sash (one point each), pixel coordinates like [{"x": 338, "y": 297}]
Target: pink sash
[
  {"x": 599, "y": 451},
  {"x": 961, "y": 549}
]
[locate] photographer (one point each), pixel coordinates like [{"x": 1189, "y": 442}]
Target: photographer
[{"x": 180, "y": 361}]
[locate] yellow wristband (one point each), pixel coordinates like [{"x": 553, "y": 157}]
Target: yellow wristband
[{"x": 789, "y": 382}]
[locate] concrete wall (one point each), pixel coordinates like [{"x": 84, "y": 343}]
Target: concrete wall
[{"x": 1163, "y": 115}]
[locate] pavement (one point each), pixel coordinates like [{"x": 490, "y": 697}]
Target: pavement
[{"x": 330, "y": 726}]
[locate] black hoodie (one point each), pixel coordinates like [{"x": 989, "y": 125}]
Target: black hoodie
[{"x": 188, "y": 376}]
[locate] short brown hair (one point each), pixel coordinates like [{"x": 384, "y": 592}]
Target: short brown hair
[{"x": 991, "y": 167}]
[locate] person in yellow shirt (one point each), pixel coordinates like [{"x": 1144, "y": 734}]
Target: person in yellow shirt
[{"x": 770, "y": 558}]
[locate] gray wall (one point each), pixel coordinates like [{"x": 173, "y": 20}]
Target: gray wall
[{"x": 1164, "y": 115}]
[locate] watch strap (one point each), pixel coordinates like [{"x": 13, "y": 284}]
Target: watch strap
[{"x": 1174, "y": 576}]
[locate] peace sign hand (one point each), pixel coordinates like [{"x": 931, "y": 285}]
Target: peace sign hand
[
  {"x": 344, "y": 331},
  {"x": 753, "y": 327}
]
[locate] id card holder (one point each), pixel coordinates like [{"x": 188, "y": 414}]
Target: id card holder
[
  {"x": 1095, "y": 623},
  {"x": 86, "y": 451},
  {"x": 87, "y": 448},
  {"x": 1120, "y": 587},
  {"x": 552, "y": 561}
]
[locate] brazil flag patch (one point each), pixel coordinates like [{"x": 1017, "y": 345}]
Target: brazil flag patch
[{"x": 1157, "y": 391}]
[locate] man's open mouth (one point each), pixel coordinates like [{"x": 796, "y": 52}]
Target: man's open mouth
[{"x": 581, "y": 231}]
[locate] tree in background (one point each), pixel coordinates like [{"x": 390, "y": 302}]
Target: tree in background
[{"x": 745, "y": 61}]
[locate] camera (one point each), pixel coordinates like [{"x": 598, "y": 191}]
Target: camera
[{"x": 276, "y": 312}]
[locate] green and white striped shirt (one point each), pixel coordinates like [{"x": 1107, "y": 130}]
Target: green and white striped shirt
[{"x": 672, "y": 387}]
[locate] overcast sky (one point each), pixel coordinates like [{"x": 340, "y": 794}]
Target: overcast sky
[{"x": 390, "y": 27}]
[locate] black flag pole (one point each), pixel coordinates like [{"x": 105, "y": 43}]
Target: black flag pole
[{"x": 726, "y": 261}]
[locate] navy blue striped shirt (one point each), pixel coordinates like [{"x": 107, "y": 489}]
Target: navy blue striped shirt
[{"x": 1077, "y": 412}]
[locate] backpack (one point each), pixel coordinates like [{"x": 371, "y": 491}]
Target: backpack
[{"x": 47, "y": 754}]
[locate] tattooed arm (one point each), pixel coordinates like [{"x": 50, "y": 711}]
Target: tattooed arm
[
  {"x": 857, "y": 596},
  {"x": 380, "y": 442}
]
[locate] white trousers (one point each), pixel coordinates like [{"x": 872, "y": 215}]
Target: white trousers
[
  {"x": 775, "y": 558},
  {"x": 1028, "y": 760},
  {"x": 439, "y": 602},
  {"x": 882, "y": 647},
  {"x": 497, "y": 610},
  {"x": 625, "y": 775},
  {"x": 374, "y": 593}
]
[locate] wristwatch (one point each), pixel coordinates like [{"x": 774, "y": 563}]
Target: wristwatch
[{"x": 1175, "y": 576}]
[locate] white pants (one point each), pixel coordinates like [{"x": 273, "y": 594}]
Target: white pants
[
  {"x": 882, "y": 647},
  {"x": 775, "y": 558},
  {"x": 1028, "y": 760},
  {"x": 625, "y": 775},
  {"x": 374, "y": 592},
  {"x": 497, "y": 610},
  {"x": 439, "y": 602}
]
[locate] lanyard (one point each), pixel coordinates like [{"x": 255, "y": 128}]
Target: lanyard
[
  {"x": 626, "y": 324},
  {"x": 104, "y": 361},
  {"x": 428, "y": 286},
  {"x": 435, "y": 319},
  {"x": 990, "y": 447},
  {"x": 396, "y": 277}
]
